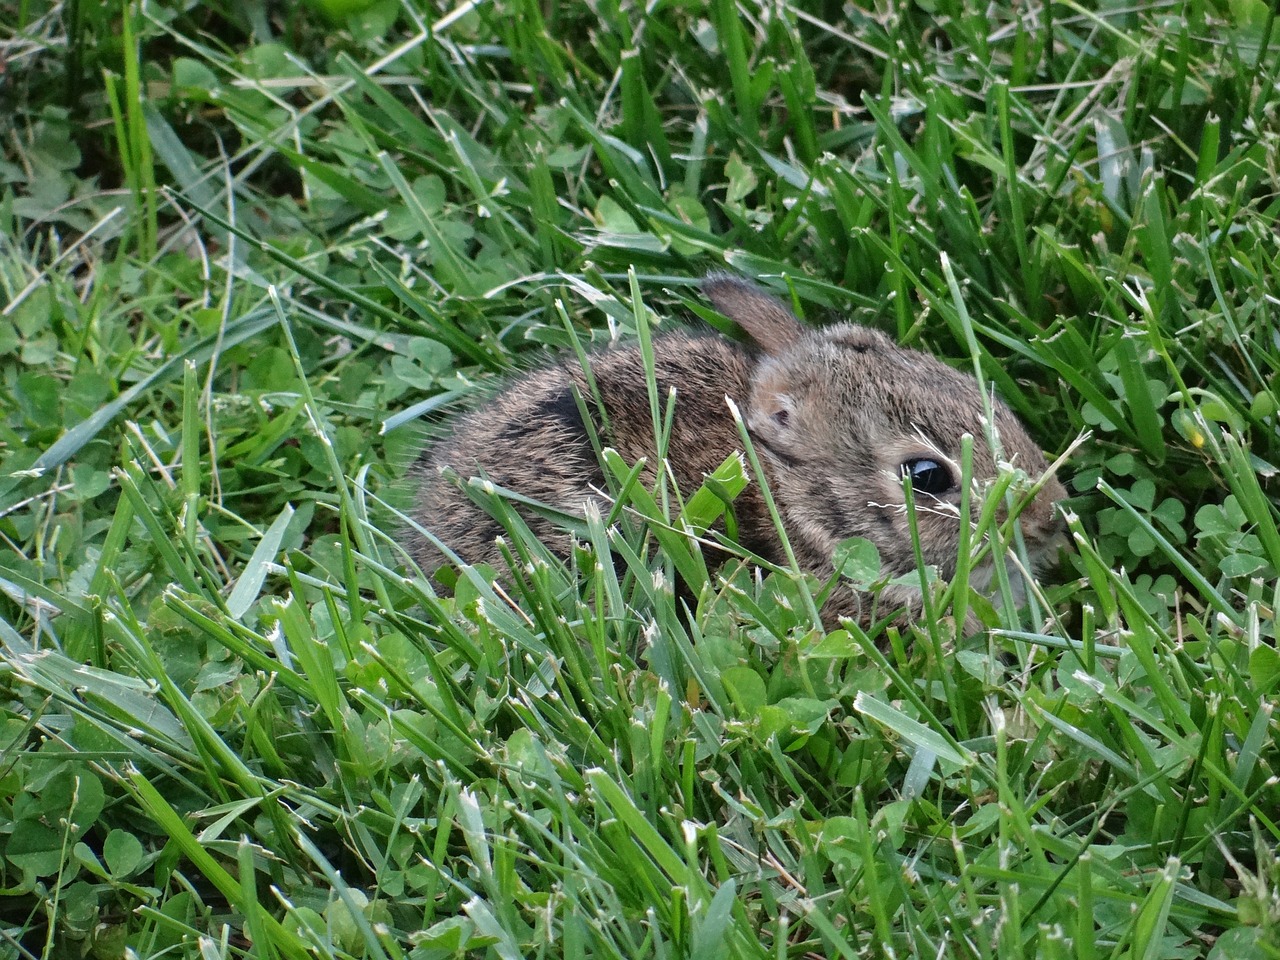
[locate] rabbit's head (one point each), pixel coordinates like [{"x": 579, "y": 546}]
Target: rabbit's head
[{"x": 841, "y": 414}]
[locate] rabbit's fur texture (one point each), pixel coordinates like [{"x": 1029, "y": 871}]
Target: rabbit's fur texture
[{"x": 836, "y": 415}]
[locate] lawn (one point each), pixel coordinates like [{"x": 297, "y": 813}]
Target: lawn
[{"x": 252, "y": 256}]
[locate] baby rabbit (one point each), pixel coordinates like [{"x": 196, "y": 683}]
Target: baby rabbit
[{"x": 837, "y": 415}]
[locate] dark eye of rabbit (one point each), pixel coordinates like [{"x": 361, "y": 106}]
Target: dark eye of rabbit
[{"x": 927, "y": 476}]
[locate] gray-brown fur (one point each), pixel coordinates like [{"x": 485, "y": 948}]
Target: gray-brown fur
[{"x": 833, "y": 413}]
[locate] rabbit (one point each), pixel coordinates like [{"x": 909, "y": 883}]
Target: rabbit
[{"x": 837, "y": 416}]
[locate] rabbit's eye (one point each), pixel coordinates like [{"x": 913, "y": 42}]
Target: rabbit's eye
[{"x": 927, "y": 476}]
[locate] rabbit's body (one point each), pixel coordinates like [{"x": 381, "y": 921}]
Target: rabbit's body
[
  {"x": 530, "y": 438},
  {"x": 837, "y": 415}
]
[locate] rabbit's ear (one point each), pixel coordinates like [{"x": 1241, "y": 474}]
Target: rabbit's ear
[{"x": 766, "y": 319}]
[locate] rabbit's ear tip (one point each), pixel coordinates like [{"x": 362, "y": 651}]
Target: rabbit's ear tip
[
  {"x": 764, "y": 317},
  {"x": 721, "y": 285}
]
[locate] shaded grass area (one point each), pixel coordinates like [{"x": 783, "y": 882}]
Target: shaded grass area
[{"x": 246, "y": 252}]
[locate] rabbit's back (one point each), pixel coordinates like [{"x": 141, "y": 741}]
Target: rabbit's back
[{"x": 531, "y": 438}]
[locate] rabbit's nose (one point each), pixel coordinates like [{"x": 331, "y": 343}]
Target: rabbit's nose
[{"x": 1042, "y": 514}]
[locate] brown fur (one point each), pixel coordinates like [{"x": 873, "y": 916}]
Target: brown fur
[{"x": 833, "y": 413}]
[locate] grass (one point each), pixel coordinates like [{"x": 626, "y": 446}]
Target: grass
[{"x": 247, "y": 251}]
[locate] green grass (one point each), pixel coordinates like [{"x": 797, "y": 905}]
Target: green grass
[{"x": 246, "y": 253}]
